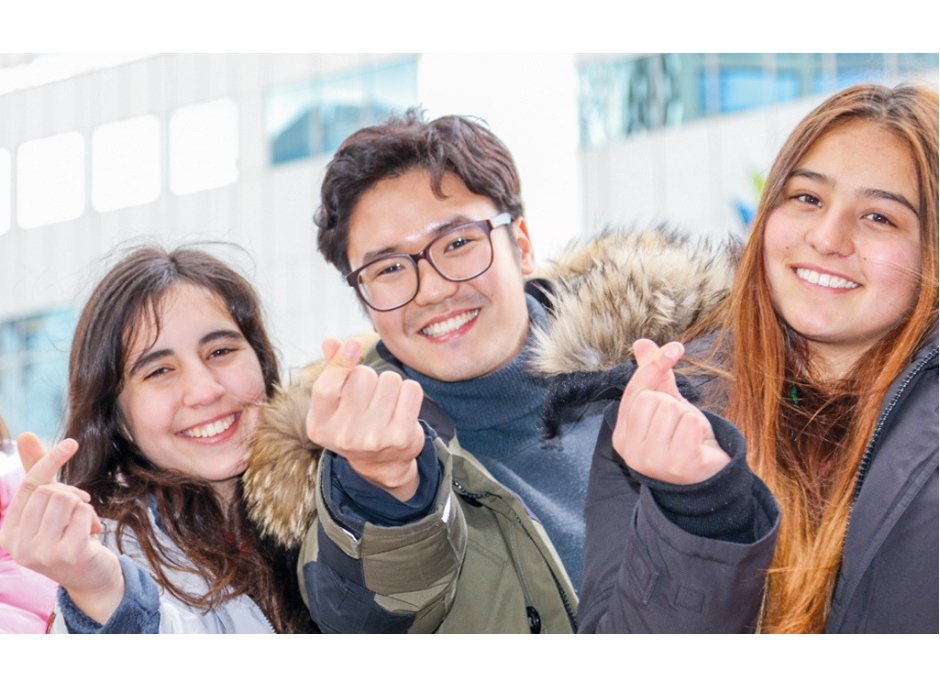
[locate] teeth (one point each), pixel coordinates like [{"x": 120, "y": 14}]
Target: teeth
[
  {"x": 210, "y": 430},
  {"x": 451, "y": 324},
  {"x": 825, "y": 280}
]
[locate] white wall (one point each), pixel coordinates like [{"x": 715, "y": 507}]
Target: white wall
[{"x": 529, "y": 101}]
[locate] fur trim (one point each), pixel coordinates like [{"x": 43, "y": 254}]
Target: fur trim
[
  {"x": 280, "y": 481},
  {"x": 625, "y": 285},
  {"x": 605, "y": 294}
]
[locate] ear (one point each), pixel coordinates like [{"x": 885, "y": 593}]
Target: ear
[{"x": 520, "y": 231}]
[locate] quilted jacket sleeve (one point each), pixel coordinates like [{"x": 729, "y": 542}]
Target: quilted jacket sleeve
[
  {"x": 644, "y": 573},
  {"x": 364, "y": 577}
]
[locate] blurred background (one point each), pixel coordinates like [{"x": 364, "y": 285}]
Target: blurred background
[{"x": 101, "y": 151}]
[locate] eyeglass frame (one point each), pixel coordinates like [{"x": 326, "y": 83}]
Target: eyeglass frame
[{"x": 488, "y": 225}]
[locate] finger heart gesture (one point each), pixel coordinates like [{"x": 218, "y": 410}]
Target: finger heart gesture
[{"x": 658, "y": 432}]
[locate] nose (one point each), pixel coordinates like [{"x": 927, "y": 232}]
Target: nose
[
  {"x": 831, "y": 233},
  {"x": 200, "y": 386},
  {"x": 432, "y": 287}
]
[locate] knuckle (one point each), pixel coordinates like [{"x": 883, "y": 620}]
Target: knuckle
[
  {"x": 389, "y": 378},
  {"x": 363, "y": 374}
]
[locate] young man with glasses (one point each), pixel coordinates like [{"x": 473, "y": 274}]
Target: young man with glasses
[{"x": 442, "y": 503}]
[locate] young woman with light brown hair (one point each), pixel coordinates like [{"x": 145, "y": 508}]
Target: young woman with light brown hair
[{"x": 830, "y": 340}]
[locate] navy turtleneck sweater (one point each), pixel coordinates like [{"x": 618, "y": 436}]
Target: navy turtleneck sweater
[{"x": 498, "y": 418}]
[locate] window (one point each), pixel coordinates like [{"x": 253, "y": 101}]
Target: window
[
  {"x": 125, "y": 163},
  {"x": 204, "y": 146},
  {"x": 313, "y": 118},
  {"x": 748, "y": 81},
  {"x": 50, "y": 181},
  {"x": 624, "y": 96},
  {"x": 34, "y": 371}
]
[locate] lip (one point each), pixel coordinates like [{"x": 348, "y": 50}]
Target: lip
[
  {"x": 823, "y": 271},
  {"x": 463, "y": 329},
  {"x": 221, "y": 437}
]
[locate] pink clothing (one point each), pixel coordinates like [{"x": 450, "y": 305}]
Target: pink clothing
[{"x": 26, "y": 597}]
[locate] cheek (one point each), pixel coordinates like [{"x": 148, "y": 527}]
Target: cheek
[
  {"x": 254, "y": 389},
  {"x": 896, "y": 269},
  {"x": 780, "y": 236},
  {"x": 126, "y": 405},
  {"x": 386, "y": 323}
]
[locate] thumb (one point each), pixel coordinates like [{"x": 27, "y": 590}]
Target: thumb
[
  {"x": 654, "y": 368},
  {"x": 42, "y": 467}
]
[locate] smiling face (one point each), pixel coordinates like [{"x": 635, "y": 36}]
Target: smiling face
[
  {"x": 189, "y": 392},
  {"x": 452, "y": 331},
  {"x": 842, "y": 247}
]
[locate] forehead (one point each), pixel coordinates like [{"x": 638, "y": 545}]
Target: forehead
[
  {"x": 182, "y": 305},
  {"x": 864, "y": 154},
  {"x": 402, "y": 213}
]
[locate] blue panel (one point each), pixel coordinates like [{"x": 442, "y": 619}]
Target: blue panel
[{"x": 312, "y": 118}]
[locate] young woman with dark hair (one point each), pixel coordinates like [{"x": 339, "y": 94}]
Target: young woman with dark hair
[
  {"x": 147, "y": 531},
  {"x": 830, "y": 340}
]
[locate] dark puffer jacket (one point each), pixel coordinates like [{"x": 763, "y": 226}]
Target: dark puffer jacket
[{"x": 644, "y": 573}]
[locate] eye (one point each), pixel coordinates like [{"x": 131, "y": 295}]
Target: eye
[
  {"x": 157, "y": 373},
  {"x": 808, "y": 199},
  {"x": 460, "y": 240},
  {"x": 880, "y": 219},
  {"x": 387, "y": 269},
  {"x": 221, "y": 351}
]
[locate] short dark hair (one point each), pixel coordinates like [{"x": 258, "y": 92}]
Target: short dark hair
[{"x": 451, "y": 144}]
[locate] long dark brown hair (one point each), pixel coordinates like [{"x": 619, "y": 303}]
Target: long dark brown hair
[
  {"x": 808, "y": 454},
  {"x": 218, "y": 540}
]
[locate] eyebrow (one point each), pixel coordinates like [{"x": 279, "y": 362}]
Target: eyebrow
[
  {"x": 152, "y": 356},
  {"x": 432, "y": 231},
  {"x": 870, "y": 192}
]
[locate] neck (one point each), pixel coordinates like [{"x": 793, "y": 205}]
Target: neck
[
  {"x": 832, "y": 363},
  {"x": 496, "y": 410}
]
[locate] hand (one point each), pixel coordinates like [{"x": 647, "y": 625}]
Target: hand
[
  {"x": 369, "y": 419},
  {"x": 51, "y": 528},
  {"x": 658, "y": 432}
]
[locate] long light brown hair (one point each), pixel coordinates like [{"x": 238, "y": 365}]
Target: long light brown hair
[{"x": 814, "y": 480}]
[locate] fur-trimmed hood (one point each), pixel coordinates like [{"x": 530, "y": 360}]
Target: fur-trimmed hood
[
  {"x": 622, "y": 286},
  {"x": 280, "y": 482},
  {"x": 605, "y": 293}
]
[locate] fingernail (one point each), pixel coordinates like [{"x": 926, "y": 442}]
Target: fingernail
[
  {"x": 351, "y": 350},
  {"x": 673, "y": 350}
]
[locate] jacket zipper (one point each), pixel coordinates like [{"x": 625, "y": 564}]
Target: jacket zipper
[
  {"x": 572, "y": 618},
  {"x": 566, "y": 602},
  {"x": 867, "y": 456}
]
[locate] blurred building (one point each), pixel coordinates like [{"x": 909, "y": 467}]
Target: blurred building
[{"x": 99, "y": 154}]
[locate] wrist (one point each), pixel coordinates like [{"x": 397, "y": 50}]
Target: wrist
[
  {"x": 400, "y": 479},
  {"x": 100, "y": 601}
]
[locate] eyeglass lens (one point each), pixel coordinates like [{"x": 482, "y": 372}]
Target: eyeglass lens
[{"x": 459, "y": 254}]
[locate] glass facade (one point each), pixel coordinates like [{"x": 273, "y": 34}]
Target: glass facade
[
  {"x": 312, "y": 118},
  {"x": 622, "y": 96},
  {"x": 34, "y": 353}
]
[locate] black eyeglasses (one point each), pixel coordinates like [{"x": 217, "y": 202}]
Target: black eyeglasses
[{"x": 460, "y": 253}]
